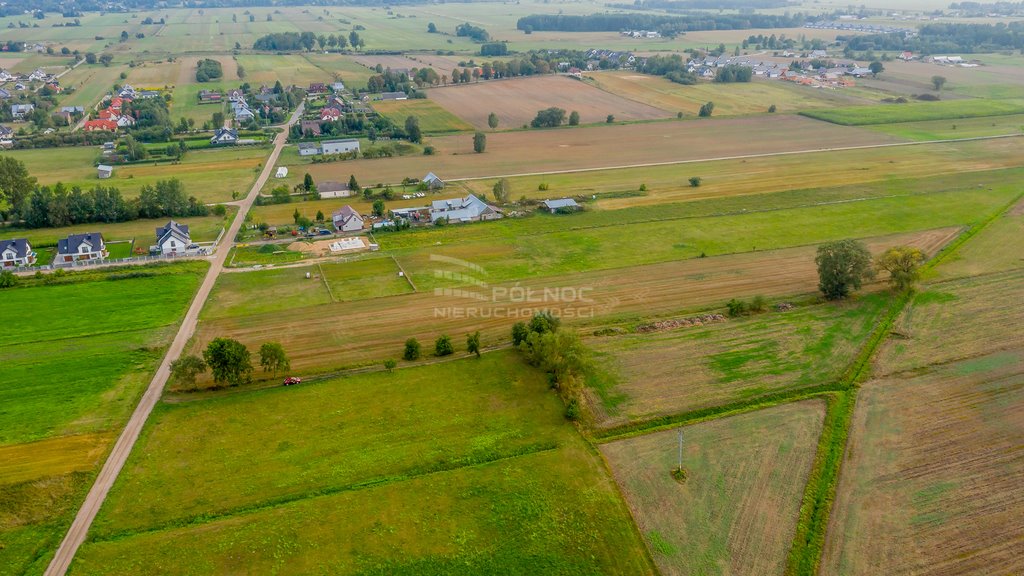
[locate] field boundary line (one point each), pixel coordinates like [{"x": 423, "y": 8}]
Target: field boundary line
[
  {"x": 404, "y": 273},
  {"x": 440, "y": 468},
  {"x": 739, "y": 157},
  {"x": 323, "y": 278}
]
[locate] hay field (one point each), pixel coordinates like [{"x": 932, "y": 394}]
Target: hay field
[
  {"x": 916, "y": 112},
  {"x": 433, "y": 118},
  {"x": 931, "y": 483},
  {"x": 481, "y": 472},
  {"x": 730, "y": 99},
  {"x": 531, "y": 151},
  {"x": 959, "y": 128},
  {"x": 339, "y": 66},
  {"x": 517, "y": 101},
  {"x": 737, "y": 511},
  {"x": 995, "y": 249},
  {"x": 288, "y": 68}
]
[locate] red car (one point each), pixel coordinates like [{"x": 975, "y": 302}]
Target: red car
[{"x": 292, "y": 380}]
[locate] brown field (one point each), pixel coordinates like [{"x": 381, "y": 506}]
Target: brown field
[
  {"x": 530, "y": 151},
  {"x": 517, "y": 101},
  {"x": 316, "y": 340},
  {"x": 915, "y": 77},
  {"x": 187, "y": 68},
  {"x": 394, "y": 62},
  {"x": 933, "y": 474},
  {"x": 52, "y": 457},
  {"x": 958, "y": 319},
  {"x": 737, "y": 511},
  {"x": 158, "y": 74}
]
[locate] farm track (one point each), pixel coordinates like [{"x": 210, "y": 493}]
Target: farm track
[{"x": 126, "y": 441}]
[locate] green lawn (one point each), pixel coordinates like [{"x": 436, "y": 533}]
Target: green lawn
[
  {"x": 916, "y": 111},
  {"x": 202, "y": 229},
  {"x": 120, "y": 249},
  {"x": 433, "y": 118},
  {"x": 463, "y": 465},
  {"x": 368, "y": 278},
  {"x": 959, "y": 128},
  {"x": 268, "y": 290},
  {"x": 263, "y": 255}
]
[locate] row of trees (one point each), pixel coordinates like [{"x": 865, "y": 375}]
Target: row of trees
[
  {"x": 443, "y": 346},
  {"x": 666, "y": 25},
  {"x": 229, "y": 362},
  {"x": 844, "y": 265},
  {"x": 59, "y": 206},
  {"x": 295, "y": 41}
]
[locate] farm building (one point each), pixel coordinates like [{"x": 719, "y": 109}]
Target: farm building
[
  {"x": 346, "y": 219},
  {"x": 224, "y": 137},
  {"x": 210, "y": 97},
  {"x": 104, "y": 171},
  {"x": 433, "y": 182},
  {"x": 76, "y": 247},
  {"x": 468, "y": 209},
  {"x": 16, "y": 252},
  {"x": 282, "y": 172},
  {"x": 561, "y": 204},
  {"x": 340, "y": 146},
  {"x": 394, "y": 96},
  {"x": 309, "y": 148},
  {"x": 172, "y": 238},
  {"x": 333, "y": 189}
]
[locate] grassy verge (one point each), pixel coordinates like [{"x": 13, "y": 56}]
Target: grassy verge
[{"x": 915, "y": 112}]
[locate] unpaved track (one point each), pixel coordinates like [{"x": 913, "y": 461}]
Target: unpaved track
[{"x": 112, "y": 467}]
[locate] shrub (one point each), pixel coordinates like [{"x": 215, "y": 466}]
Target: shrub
[
  {"x": 443, "y": 346},
  {"x": 412, "y": 350},
  {"x": 542, "y": 186},
  {"x": 390, "y": 364},
  {"x": 771, "y": 109},
  {"x": 695, "y": 181},
  {"x": 737, "y": 308},
  {"x": 758, "y": 304},
  {"x": 8, "y": 279},
  {"x": 572, "y": 410},
  {"x": 519, "y": 333}
]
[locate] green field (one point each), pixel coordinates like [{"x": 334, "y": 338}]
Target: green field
[
  {"x": 948, "y": 129},
  {"x": 916, "y": 112},
  {"x": 242, "y": 293},
  {"x": 433, "y": 119},
  {"x": 263, "y": 255},
  {"x": 479, "y": 471},
  {"x": 367, "y": 278}
]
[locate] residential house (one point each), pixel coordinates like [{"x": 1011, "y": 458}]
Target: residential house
[
  {"x": 172, "y": 238},
  {"x": 310, "y": 128},
  {"x": 561, "y": 204},
  {"x": 104, "y": 171},
  {"x": 147, "y": 94},
  {"x": 6, "y": 135},
  {"x": 4, "y": 94},
  {"x": 19, "y": 86},
  {"x": 906, "y": 56},
  {"x": 265, "y": 97},
  {"x": 332, "y": 189},
  {"x": 433, "y": 182},
  {"x": 309, "y": 149},
  {"x": 346, "y": 219},
  {"x": 73, "y": 109},
  {"x": 15, "y": 253},
  {"x": 19, "y": 111},
  {"x": 317, "y": 88},
  {"x": 108, "y": 114},
  {"x": 338, "y": 86},
  {"x": 468, "y": 209},
  {"x": 125, "y": 121},
  {"x": 244, "y": 114},
  {"x": 330, "y": 115},
  {"x": 38, "y": 75},
  {"x": 100, "y": 125},
  {"x": 127, "y": 91},
  {"x": 235, "y": 95},
  {"x": 394, "y": 96},
  {"x": 225, "y": 137},
  {"x": 76, "y": 247},
  {"x": 340, "y": 146},
  {"x": 63, "y": 118}
]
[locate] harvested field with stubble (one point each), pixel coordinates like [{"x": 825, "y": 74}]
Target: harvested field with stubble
[
  {"x": 531, "y": 151},
  {"x": 517, "y": 101},
  {"x": 737, "y": 510},
  {"x": 932, "y": 480},
  {"x": 317, "y": 341}
]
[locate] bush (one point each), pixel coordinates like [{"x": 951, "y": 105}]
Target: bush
[
  {"x": 695, "y": 181},
  {"x": 543, "y": 186},
  {"x": 8, "y": 279},
  {"x": 758, "y": 304},
  {"x": 772, "y": 109},
  {"x": 443, "y": 346},
  {"x": 428, "y": 150},
  {"x": 572, "y": 410},
  {"x": 412, "y": 350},
  {"x": 737, "y": 308},
  {"x": 519, "y": 333},
  {"x": 390, "y": 365}
]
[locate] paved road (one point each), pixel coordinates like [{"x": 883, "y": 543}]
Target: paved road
[{"x": 112, "y": 467}]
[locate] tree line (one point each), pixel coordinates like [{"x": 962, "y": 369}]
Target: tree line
[
  {"x": 666, "y": 25},
  {"x": 306, "y": 41},
  {"x": 945, "y": 38},
  {"x": 59, "y": 206}
]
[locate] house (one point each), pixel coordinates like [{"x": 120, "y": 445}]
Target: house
[
  {"x": 63, "y": 118},
  {"x": 347, "y": 219},
  {"x": 6, "y": 134},
  {"x": 338, "y": 86},
  {"x": 244, "y": 114},
  {"x": 21, "y": 110},
  {"x": 906, "y": 56},
  {"x": 468, "y": 209},
  {"x": 104, "y": 171},
  {"x": 433, "y": 182},
  {"x": 16, "y": 252},
  {"x": 125, "y": 121},
  {"x": 127, "y": 91},
  {"x": 147, "y": 94},
  {"x": 330, "y": 115},
  {"x": 333, "y": 189},
  {"x": 561, "y": 204},
  {"x": 107, "y": 114},
  {"x": 225, "y": 137},
  {"x": 235, "y": 95},
  {"x": 310, "y": 128},
  {"x": 265, "y": 97},
  {"x": 210, "y": 97},
  {"x": 859, "y": 72},
  {"x": 282, "y": 172},
  {"x": 73, "y": 109},
  {"x": 100, "y": 125},
  {"x": 309, "y": 149},
  {"x": 88, "y": 246},
  {"x": 317, "y": 88},
  {"x": 4, "y": 94},
  {"x": 394, "y": 96},
  {"x": 173, "y": 238},
  {"x": 340, "y": 146}
]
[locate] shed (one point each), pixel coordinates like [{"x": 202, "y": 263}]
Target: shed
[
  {"x": 103, "y": 171},
  {"x": 561, "y": 204}
]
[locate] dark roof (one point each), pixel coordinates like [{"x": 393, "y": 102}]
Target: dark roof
[
  {"x": 20, "y": 245},
  {"x": 76, "y": 239},
  {"x": 162, "y": 231},
  {"x": 331, "y": 186},
  {"x": 560, "y": 203}
]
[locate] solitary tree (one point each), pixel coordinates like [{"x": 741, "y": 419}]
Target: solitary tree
[
  {"x": 431, "y": 28},
  {"x": 938, "y": 82},
  {"x": 772, "y": 109},
  {"x": 695, "y": 181},
  {"x": 443, "y": 346},
  {"x": 610, "y": 119},
  {"x": 106, "y": 59},
  {"x": 479, "y": 142},
  {"x": 473, "y": 343},
  {"x": 492, "y": 120},
  {"x": 706, "y": 110},
  {"x": 353, "y": 185},
  {"x": 307, "y": 182},
  {"x": 273, "y": 358},
  {"x": 390, "y": 364},
  {"x": 229, "y": 361},
  {"x": 842, "y": 267},
  {"x": 378, "y": 208},
  {"x": 412, "y": 350},
  {"x": 902, "y": 263},
  {"x": 319, "y": 215},
  {"x": 574, "y": 118},
  {"x": 502, "y": 191},
  {"x": 186, "y": 368},
  {"x": 412, "y": 129},
  {"x": 876, "y": 68}
]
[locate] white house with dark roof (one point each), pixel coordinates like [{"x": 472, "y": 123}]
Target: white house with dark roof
[
  {"x": 15, "y": 253},
  {"x": 173, "y": 238},
  {"x": 346, "y": 219},
  {"x": 21, "y": 110},
  {"x": 468, "y": 209},
  {"x": 224, "y": 137},
  {"x": 88, "y": 246}
]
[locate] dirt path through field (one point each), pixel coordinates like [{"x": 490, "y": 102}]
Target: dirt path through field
[{"x": 122, "y": 449}]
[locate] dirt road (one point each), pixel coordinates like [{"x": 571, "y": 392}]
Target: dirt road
[{"x": 112, "y": 467}]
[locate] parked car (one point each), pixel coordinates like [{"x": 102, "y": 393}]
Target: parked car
[{"x": 292, "y": 380}]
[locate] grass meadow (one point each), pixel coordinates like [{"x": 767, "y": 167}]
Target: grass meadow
[
  {"x": 916, "y": 112},
  {"x": 76, "y": 357},
  {"x": 737, "y": 510},
  {"x": 433, "y": 119},
  {"x": 476, "y": 472}
]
